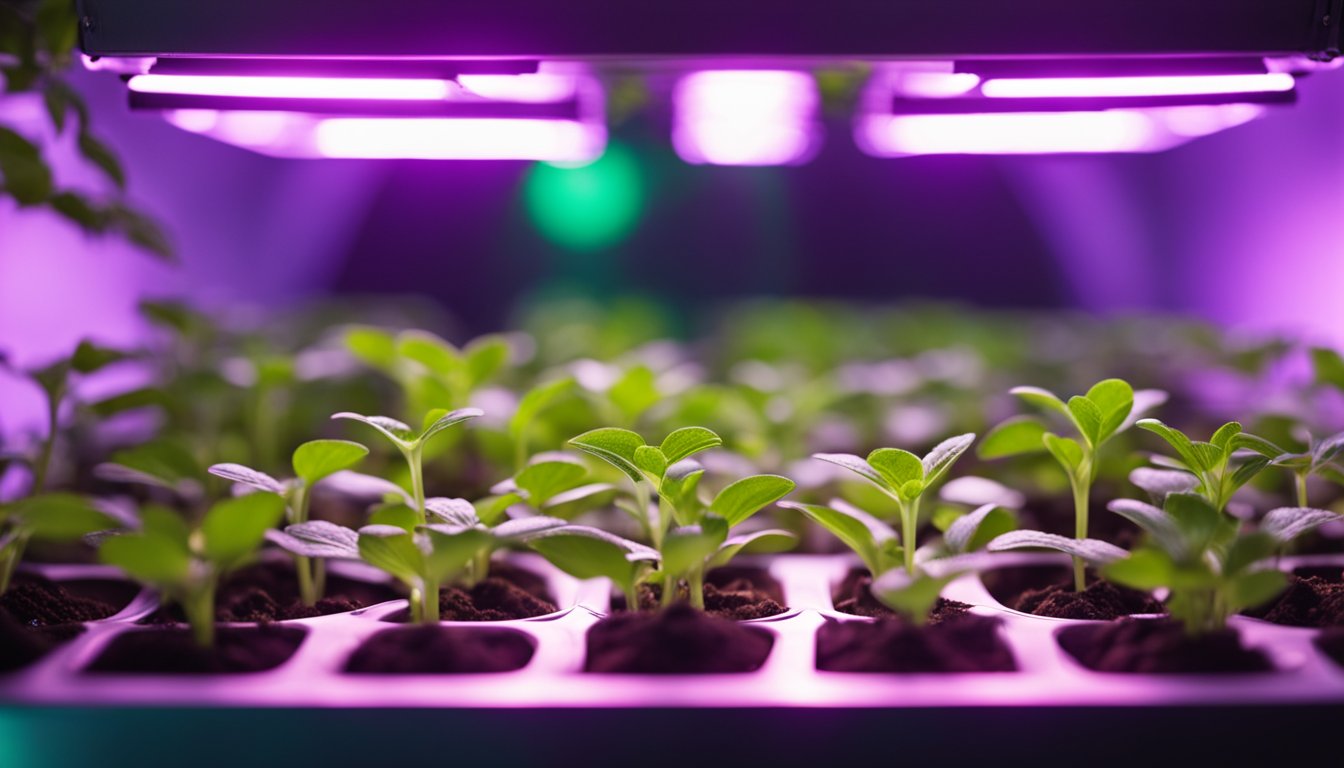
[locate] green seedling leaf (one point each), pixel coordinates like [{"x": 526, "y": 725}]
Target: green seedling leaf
[
  {"x": 1087, "y": 418},
  {"x": 771, "y": 540},
  {"x": 143, "y": 397},
  {"x": 317, "y": 460},
  {"x": 318, "y": 539},
  {"x": 862, "y": 533},
  {"x": 372, "y": 346},
  {"x": 396, "y": 516},
  {"x": 687, "y": 548},
  {"x": 680, "y": 487},
  {"x": 1223, "y": 436},
  {"x": 102, "y": 158},
  {"x": 688, "y": 441},
  {"x": 1287, "y": 523},
  {"x": 398, "y": 432},
  {"x": 1041, "y": 398},
  {"x": 484, "y": 357},
  {"x": 458, "y": 512},
  {"x": 1329, "y": 367},
  {"x": 1156, "y": 523},
  {"x": 90, "y": 357},
  {"x": 1092, "y": 550},
  {"x": 590, "y": 553},
  {"x": 974, "y": 530},
  {"x": 234, "y": 528},
  {"x": 614, "y": 446},
  {"x": 943, "y": 456},
  {"x": 1178, "y": 441},
  {"x": 524, "y": 529},
  {"x": 747, "y": 496},
  {"x": 856, "y": 465},
  {"x": 57, "y": 516},
  {"x": 152, "y": 558},
  {"x": 438, "y": 420},
  {"x": 241, "y": 475},
  {"x": 1254, "y": 588},
  {"x": 911, "y": 596},
  {"x": 1196, "y": 518},
  {"x": 1145, "y": 400},
  {"x": 1066, "y": 451},
  {"x": 536, "y": 401},
  {"x": 651, "y": 460},
  {"x": 1161, "y": 482},
  {"x": 435, "y": 354},
  {"x": 544, "y": 477},
  {"x": 451, "y": 549},
  {"x": 1114, "y": 399},
  {"x": 393, "y": 551},
  {"x": 26, "y": 176},
  {"x": 635, "y": 392},
  {"x": 1145, "y": 569},
  {"x": 1248, "y": 442},
  {"x": 1248, "y": 550},
  {"x": 582, "y": 493},
  {"x": 164, "y": 463},
  {"x": 896, "y": 467},
  {"x": 1016, "y": 436}
]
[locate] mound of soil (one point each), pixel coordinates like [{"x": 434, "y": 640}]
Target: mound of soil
[
  {"x": 492, "y": 599},
  {"x": 1047, "y": 590},
  {"x": 1159, "y": 646},
  {"x": 677, "y": 641},
  {"x": 737, "y": 600},
  {"x": 37, "y": 614},
  {"x": 1310, "y": 602},
  {"x": 964, "y": 644},
  {"x": 433, "y": 650},
  {"x": 173, "y": 651},
  {"x": 266, "y": 592}
]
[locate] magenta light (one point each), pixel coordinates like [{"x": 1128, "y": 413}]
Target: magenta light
[
  {"x": 537, "y": 88},
  {"x": 263, "y": 87},
  {"x": 746, "y": 117},
  {"x": 1092, "y": 87},
  {"x": 935, "y": 85},
  {"x": 457, "y": 139}
]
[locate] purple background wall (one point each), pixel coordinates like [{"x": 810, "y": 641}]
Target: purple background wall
[{"x": 1242, "y": 228}]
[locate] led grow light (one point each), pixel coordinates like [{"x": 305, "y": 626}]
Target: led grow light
[
  {"x": 730, "y": 117},
  {"x": 1121, "y": 87},
  {"x": 553, "y": 116}
]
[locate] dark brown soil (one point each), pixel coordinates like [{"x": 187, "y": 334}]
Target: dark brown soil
[
  {"x": 173, "y": 651},
  {"x": 1307, "y": 602},
  {"x": 965, "y": 644},
  {"x": 677, "y": 641},
  {"x": 493, "y": 599},
  {"x": 854, "y": 595},
  {"x": 1331, "y": 643},
  {"x": 731, "y": 592},
  {"x": 37, "y": 614},
  {"x": 1159, "y": 646},
  {"x": 269, "y": 591},
  {"x": 433, "y": 650},
  {"x": 1047, "y": 590}
]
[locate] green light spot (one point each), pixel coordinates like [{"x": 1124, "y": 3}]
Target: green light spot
[{"x": 586, "y": 208}]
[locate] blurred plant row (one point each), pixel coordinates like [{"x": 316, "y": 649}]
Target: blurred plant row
[{"x": 537, "y": 438}]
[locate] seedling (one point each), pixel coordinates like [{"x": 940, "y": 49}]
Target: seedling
[
  {"x": 913, "y": 593},
  {"x": 699, "y": 541},
  {"x": 411, "y": 445},
  {"x": 905, "y": 478},
  {"x": 1211, "y": 569},
  {"x": 43, "y": 517},
  {"x": 454, "y": 547},
  {"x": 313, "y": 462},
  {"x": 429, "y": 369},
  {"x": 1231, "y": 458},
  {"x": 1322, "y": 459},
  {"x": 552, "y": 483},
  {"x": 186, "y": 564},
  {"x": 1109, "y": 408}
]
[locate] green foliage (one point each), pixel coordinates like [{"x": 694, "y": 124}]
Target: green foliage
[
  {"x": 186, "y": 564},
  {"x": 913, "y": 596},
  {"x": 1216, "y": 463}
]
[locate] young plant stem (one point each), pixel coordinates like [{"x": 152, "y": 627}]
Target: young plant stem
[
  {"x": 417, "y": 604},
  {"x": 909, "y": 526},
  {"x": 43, "y": 464},
  {"x": 416, "y": 464},
  {"x": 631, "y": 591},
  {"x": 1300, "y": 485},
  {"x": 642, "y": 501},
  {"x": 309, "y": 591},
  {"x": 10, "y": 557},
  {"x": 1082, "y": 492},
  {"x": 199, "y": 608},
  {"x": 696, "y": 583},
  {"x": 429, "y": 612}
]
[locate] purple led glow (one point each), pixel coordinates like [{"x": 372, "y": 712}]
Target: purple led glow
[
  {"x": 1108, "y": 87},
  {"x": 456, "y": 139},
  {"x": 1012, "y": 133},
  {"x": 746, "y": 117},
  {"x": 259, "y": 87},
  {"x": 935, "y": 85}
]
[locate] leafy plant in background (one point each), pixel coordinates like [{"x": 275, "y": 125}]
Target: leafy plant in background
[
  {"x": 1320, "y": 459},
  {"x": 551, "y": 483},
  {"x": 1109, "y": 407},
  {"x": 43, "y": 517},
  {"x": 411, "y": 445},
  {"x": 905, "y": 478},
  {"x": 686, "y": 551},
  {"x": 186, "y": 564},
  {"x": 429, "y": 370},
  {"x": 1210, "y": 567},
  {"x": 313, "y": 462},
  {"x": 37, "y": 43}
]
